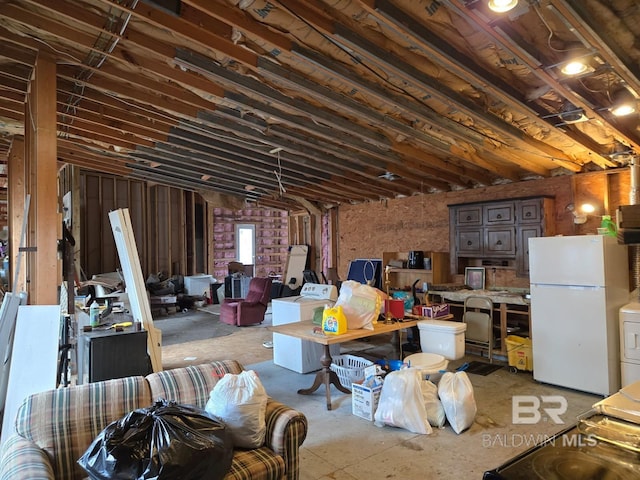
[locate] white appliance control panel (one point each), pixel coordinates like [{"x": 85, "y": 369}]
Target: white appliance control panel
[{"x": 319, "y": 291}]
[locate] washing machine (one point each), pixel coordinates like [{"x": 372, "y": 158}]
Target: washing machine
[
  {"x": 299, "y": 355},
  {"x": 630, "y": 343}
]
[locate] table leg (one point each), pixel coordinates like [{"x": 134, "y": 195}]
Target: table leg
[{"x": 325, "y": 376}]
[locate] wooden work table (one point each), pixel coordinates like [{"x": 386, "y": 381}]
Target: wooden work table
[
  {"x": 326, "y": 376},
  {"x": 505, "y": 303}
]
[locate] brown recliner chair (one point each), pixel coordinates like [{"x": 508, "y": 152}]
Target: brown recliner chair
[{"x": 249, "y": 310}]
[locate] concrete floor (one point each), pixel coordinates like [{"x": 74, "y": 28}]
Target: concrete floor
[{"x": 341, "y": 446}]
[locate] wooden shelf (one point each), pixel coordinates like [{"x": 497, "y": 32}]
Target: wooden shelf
[
  {"x": 409, "y": 270},
  {"x": 401, "y": 278}
]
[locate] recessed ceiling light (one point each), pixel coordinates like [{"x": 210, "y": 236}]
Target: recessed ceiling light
[
  {"x": 573, "y": 116},
  {"x": 577, "y": 61},
  {"x": 623, "y": 102},
  {"x": 501, "y": 6},
  {"x": 389, "y": 176}
]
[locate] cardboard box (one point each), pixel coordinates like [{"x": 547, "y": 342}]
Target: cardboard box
[
  {"x": 364, "y": 400},
  {"x": 435, "y": 310}
]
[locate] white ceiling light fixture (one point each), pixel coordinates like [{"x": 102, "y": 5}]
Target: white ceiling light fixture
[
  {"x": 577, "y": 61},
  {"x": 389, "y": 176},
  {"x": 571, "y": 114},
  {"x": 623, "y": 102},
  {"x": 501, "y": 6}
]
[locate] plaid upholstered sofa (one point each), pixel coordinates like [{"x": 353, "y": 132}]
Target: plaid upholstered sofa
[{"x": 54, "y": 428}]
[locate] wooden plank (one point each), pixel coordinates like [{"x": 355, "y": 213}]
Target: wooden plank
[
  {"x": 134, "y": 282},
  {"x": 17, "y": 196},
  {"x": 8, "y": 315},
  {"x": 34, "y": 359}
]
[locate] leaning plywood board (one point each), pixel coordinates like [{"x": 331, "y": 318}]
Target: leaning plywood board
[
  {"x": 34, "y": 359},
  {"x": 8, "y": 314},
  {"x": 134, "y": 282},
  {"x": 296, "y": 263}
]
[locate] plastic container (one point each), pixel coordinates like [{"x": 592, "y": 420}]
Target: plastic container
[
  {"x": 608, "y": 224},
  {"x": 443, "y": 337},
  {"x": 333, "y": 321},
  {"x": 519, "y": 352},
  {"x": 350, "y": 369},
  {"x": 94, "y": 314},
  {"x": 431, "y": 365}
]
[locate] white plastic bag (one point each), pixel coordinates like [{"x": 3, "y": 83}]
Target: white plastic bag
[
  {"x": 432, "y": 404},
  {"x": 240, "y": 401},
  {"x": 401, "y": 403},
  {"x": 456, "y": 394},
  {"x": 360, "y": 303}
]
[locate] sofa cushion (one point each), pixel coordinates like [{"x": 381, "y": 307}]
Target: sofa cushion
[
  {"x": 64, "y": 422},
  {"x": 190, "y": 385}
]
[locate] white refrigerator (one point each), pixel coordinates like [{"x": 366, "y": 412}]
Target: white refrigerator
[{"x": 578, "y": 284}]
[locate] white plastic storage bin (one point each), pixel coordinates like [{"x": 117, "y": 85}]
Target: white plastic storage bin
[
  {"x": 442, "y": 337},
  {"x": 198, "y": 285}
]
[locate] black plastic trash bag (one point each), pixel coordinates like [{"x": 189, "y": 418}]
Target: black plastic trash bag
[{"x": 166, "y": 441}]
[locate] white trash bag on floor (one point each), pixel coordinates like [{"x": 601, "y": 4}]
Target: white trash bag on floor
[
  {"x": 401, "y": 403},
  {"x": 432, "y": 404},
  {"x": 456, "y": 394}
]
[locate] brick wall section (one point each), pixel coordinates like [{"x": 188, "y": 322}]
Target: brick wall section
[{"x": 421, "y": 222}]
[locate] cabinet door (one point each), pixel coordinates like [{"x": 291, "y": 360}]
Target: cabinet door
[
  {"x": 500, "y": 213},
  {"x": 529, "y": 211},
  {"x": 499, "y": 242},
  {"x": 469, "y": 241},
  {"x": 524, "y": 233},
  {"x": 468, "y": 216}
]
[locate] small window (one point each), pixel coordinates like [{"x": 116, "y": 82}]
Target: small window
[{"x": 245, "y": 243}]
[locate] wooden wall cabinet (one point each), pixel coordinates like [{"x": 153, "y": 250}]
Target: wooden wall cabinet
[
  {"x": 497, "y": 233},
  {"x": 401, "y": 278}
]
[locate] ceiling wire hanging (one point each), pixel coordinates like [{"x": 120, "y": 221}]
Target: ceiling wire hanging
[{"x": 278, "y": 172}]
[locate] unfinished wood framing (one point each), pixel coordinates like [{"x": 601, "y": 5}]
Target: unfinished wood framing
[
  {"x": 98, "y": 195},
  {"x": 17, "y": 195}
]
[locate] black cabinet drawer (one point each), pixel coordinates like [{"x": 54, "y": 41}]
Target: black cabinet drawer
[
  {"x": 500, "y": 241},
  {"x": 467, "y": 216},
  {"x": 529, "y": 211},
  {"x": 469, "y": 242},
  {"x": 499, "y": 213}
]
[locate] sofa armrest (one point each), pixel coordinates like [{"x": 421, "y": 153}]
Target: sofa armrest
[
  {"x": 24, "y": 460},
  {"x": 286, "y": 430}
]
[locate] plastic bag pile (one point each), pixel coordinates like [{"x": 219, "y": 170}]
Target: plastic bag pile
[{"x": 407, "y": 401}]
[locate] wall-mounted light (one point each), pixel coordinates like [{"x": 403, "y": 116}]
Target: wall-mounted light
[
  {"x": 501, "y": 6},
  {"x": 623, "y": 102},
  {"x": 580, "y": 215}
]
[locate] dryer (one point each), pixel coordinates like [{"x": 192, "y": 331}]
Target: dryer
[{"x": 630, "y": 343}]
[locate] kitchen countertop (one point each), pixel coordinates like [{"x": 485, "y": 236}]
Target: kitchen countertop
[{"x": 496, "y": 296}]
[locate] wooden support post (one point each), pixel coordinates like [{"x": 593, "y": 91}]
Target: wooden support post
[{"x": 40, "y": 122}]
